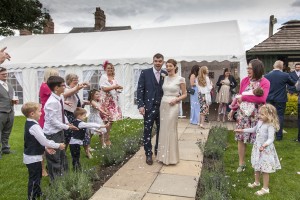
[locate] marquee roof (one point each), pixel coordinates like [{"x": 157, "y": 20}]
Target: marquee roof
[{"x": 209, "y": 41}]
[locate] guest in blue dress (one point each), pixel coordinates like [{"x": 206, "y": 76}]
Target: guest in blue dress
[{"x": 195, "y": 106}]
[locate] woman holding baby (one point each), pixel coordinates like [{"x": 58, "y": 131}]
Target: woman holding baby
[{"x": 249, "y": 104}]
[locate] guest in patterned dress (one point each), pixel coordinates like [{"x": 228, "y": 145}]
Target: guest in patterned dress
[
  {"x": 204, "y": 96},
  {"x": 225, "y": 83},
  {"x": 264, "y": 158},
  {"x": 249, "y": 120},
  {"x": 109, "y": 98}
]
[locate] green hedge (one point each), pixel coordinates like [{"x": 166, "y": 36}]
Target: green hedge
[
  {"x": 74, "y": 185},
  {"x": 292, "y": 105},
  {"x": 213, "y": 183}
]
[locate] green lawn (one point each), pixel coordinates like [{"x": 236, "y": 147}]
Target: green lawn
[
  {"x": 284, "y": 184},
  {"x": 14, "y": 175}
]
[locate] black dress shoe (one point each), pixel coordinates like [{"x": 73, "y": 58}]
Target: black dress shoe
[
  {"x": 6, "y": 151},
  {"x": 149, "y": 160}
]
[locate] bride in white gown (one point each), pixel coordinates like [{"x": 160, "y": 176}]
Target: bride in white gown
[{"x": 174, "y": 88}]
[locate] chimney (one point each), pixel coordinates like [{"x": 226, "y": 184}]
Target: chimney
[
  {"x": 273, "y": 21},
  {"x": 99, "y": 19},
  {"x": 25, "y": 32},
  {"x": 49, "y": 27}
]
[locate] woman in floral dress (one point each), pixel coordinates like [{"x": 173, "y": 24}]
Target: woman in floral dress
[
  {"x": 252, "y": 81},
  {"x": 204, "y": 96},
  {"x": 109, "y": 101}
]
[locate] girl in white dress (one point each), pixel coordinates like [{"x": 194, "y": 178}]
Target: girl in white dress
[
  {"x": 94, "y": 117},
  {"x": 264, "y": 158}
]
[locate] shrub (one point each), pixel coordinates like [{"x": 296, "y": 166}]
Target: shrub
[
  {"x": 113, "y": 155},
  {"x": 213, "y": 183},
  {"x": 216, "y": 143},
  {"x": 292, "y": 105},
  {"x": 215, "y": 180},
  {"x": 132, "y": 144},
  {"x": 74, "y": 185}
]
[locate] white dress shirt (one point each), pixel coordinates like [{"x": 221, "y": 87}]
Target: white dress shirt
[
  {"x": 53, "y": 116},
  {"x": 4, "y": 84},
  {"x": 88, "y": 125},
  {"x": 37, "y": 132}
]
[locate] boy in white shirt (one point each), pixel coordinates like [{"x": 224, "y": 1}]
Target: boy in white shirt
[
  {"x": 55, "y": 124},
  {"x": 34, "y": 147}
]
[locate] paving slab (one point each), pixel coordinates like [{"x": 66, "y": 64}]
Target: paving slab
[
  {"x": 137, "y": 165},
  {"x": 180, "y": 129},
  {"x": 175, "y": 185},
  {"x": 189, "y": 150},
  {"x": 150, "y": 196},
  {"x": 184, "y": 168},
  {"x": 131, "y": 181},
  {"x": 116, "y": 194},
  {"x": 193, "y": 137},
  {"x": 181, "y": 125}
]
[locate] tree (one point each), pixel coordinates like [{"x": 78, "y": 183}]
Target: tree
[{"x": 22, "y": 14}]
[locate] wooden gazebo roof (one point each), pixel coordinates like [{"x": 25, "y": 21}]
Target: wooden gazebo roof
[{"x": 286, "y": 40}]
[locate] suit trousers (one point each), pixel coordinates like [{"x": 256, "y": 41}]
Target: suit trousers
[
  {"x": 75, "y": 152},
  {"x": 150, "y": 117},
  {"x": 280, "y": 107},
  {"x": 57, "y": 163},
  {"x": 34, "y": 180},
  {"x": 6, "y": 124}
]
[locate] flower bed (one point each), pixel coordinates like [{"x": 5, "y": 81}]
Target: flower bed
[{"x": 213, "y": 183}]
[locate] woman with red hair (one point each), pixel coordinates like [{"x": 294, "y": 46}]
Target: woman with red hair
[{"x": 109, "y": 101}]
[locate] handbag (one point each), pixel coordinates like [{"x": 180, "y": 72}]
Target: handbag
[{"x": 191, "y": 91}]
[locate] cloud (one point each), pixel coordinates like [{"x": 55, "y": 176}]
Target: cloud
[
  {"x": 296, "y": 3},
  {"x": 252, "y": 15},
  {"x": 162, "y": 18}
]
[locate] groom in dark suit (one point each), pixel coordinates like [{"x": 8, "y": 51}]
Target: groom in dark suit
[
  {"x": 149, "y": 95},
  {"x": 295, "y": 76}
]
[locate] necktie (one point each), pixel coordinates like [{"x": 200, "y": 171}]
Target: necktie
[
  {"x": 62, "y": 111},
  {"x": 157, "y": 75}
]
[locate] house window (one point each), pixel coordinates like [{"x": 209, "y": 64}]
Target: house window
[
  {"x": 93, "y": 78},
  {"x": 137, "y": 73},
  {"x": 16, "y": 85}
]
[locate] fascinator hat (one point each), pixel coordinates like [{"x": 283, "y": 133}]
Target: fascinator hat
[{"x": 105, "y": 64}]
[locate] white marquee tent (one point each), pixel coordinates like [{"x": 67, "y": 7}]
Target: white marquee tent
[{"x": 129, "y": 50}]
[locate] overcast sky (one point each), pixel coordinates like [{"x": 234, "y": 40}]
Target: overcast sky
[{"x": 252, "y": 15}]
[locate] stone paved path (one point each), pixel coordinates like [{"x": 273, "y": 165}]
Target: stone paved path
[{"x": 138, "y": 181}]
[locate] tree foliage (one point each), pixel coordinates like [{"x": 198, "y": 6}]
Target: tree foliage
[{"x": 22, "y": 14}]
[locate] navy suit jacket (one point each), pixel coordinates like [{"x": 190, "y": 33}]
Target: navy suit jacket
[
  {"x": 149, "y": 89},
  {"x": 294, "y": 77},
  {"x": 278, "y": 83}
]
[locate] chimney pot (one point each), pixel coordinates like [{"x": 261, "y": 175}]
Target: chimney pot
[{"x": 100, "y": 19}]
